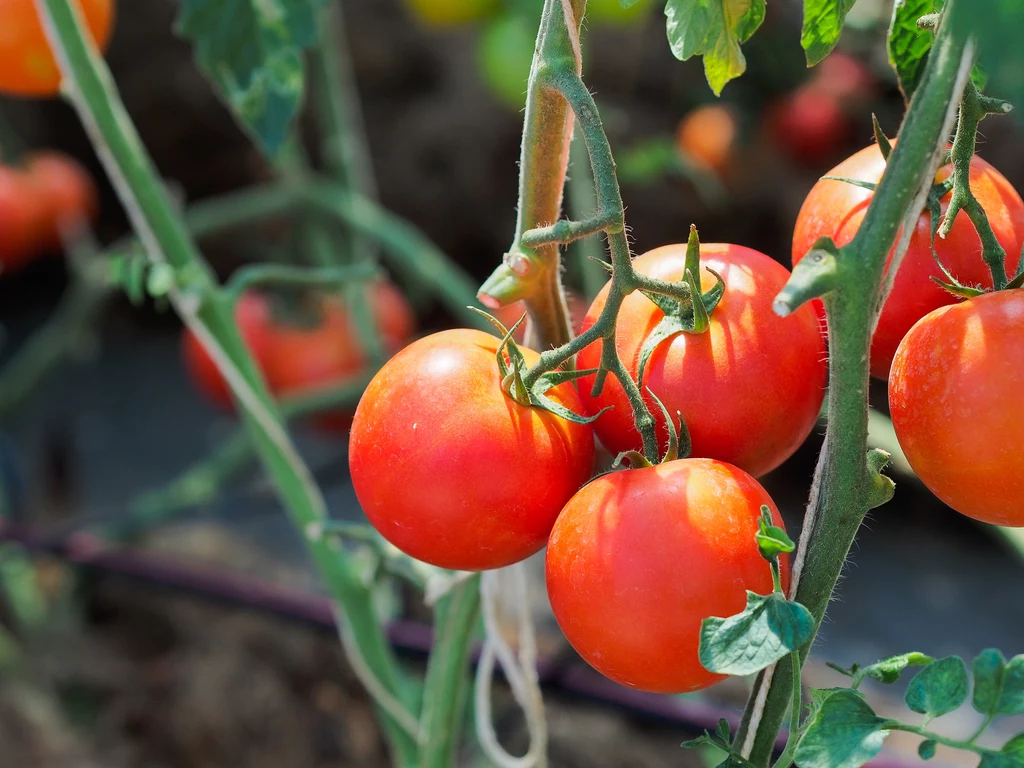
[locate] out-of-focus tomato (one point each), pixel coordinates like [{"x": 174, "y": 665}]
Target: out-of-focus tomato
[
  {"x": 707, "y": 137},
  {"x": 68, "y": 190},
  {"x": 809, "y": 125},
  {"x": 23, "y": 219}
]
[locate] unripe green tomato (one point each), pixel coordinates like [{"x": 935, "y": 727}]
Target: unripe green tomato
[
  {"x": 505, "y": 54},
  {"x": 447, "y": 13},
  {"x": 612, "y": 13}
]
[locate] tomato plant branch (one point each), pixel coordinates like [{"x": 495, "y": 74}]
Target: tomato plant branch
[
  {"x": 849, "y": 280},
  {"x": 208, "y": 313},
  {"x": 973, "y": 108},
  {"x": 252, "y": 275}
]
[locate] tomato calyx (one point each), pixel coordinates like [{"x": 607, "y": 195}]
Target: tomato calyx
[
  {"x": 692, "y": 315},
  {"x": 679, "y": 443},
  {"x": 512, "y": 369}
]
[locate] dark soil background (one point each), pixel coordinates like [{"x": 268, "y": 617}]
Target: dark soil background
[{"x": 129, "y": 675}]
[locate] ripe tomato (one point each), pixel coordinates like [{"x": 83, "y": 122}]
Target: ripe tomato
[
  {"x": 639, "y": 558},
  {"x": 836, "y": 209},
  {"x": 845, "y": 77},
  {"x": 306, "y": 359},
  {"x": 68, "y": 190},
  {"x": 955, "y": 397},
  {"x": 505, "y": 54},
  {"x": 612, "y": 13},
  {"x": 252, "y": 314},
  {"x": 749, "y": 388},
  {"x": 707, "y": 137},
  {"x": 28, "y": 67},
  {"x": 23, "y": 219},
  {"x": 450, "y": 469},
  {"x": 809, "y": 125},
  {"x": 447, "y": 13}
]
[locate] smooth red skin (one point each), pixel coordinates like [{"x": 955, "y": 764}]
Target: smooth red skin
[
  {"x": 639, "y": 558},
  {"x": 809, "y": 125},
  {"x": 955, "y": 394},
  {"x": 68, "y": 190},
  {"x": 450, "y": 469},
  {"x": 252, "y": 314},
  {"x": 749, "y": 389},
  {"x": 27, "y": 66},
  {"x": 23, "y": 219},
  {"x": 836, "y": 209}
]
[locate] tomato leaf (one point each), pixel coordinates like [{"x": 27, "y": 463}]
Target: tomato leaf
[
  {"x": 714, "y": 29},
  {"x": 888, "y": 670},
  {"x": 909, "y": 45},
  {"x": 996, "y": 25},
  {"x": 823, "y": 23},
  {"x": 998, "y": 684},
  {"x": 252, "y": 51},
  {"x": 1010, "y": 756},
  {"x": 939, "y": 688},
  {"x": 769, "y": 628},
  {"x": 842, "y": 732}
]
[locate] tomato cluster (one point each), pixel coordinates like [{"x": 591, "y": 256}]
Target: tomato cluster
[
  {"x": 48, "y": 195},
  {"x": 303, "y": 358}
]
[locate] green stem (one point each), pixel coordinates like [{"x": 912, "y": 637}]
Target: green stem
[
  {"x": 447, "y": 683},
  {"x": 981, "y": 728},
  {"x": 284, "y": 274},
  {"x": 850, "y": 278},
  {"x": 88, "y": 84},
  {"x": 967, "y": 746}
]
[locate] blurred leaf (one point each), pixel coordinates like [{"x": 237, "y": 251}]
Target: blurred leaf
[
  {"x": 252, "y": 51},
  {"x": 844, "y": 732},
  {"x": 714, "y": 29},
  {"x": 998, "y": 684},
  {"x": 909, "y": 45},
  {"x": 939, "y": 688},
  {"x": 888, "y": 670},
  {"x": 1010, "y": 756},
  {"x": 823, "y": 23},
  {"x": 997, "y": 24},
  {"x": 769, "y": 628}
]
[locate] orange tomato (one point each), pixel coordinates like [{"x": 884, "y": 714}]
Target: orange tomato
[{"x": 707, "y": 137}]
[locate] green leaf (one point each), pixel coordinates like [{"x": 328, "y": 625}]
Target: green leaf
[
  {"x": 252, "y": 51},
  {"x": 769, "y": 628},
  {"x": 844, "y": 732},
  {"x": 771, "y": 539},
  {"x": 823, "y": 23},
  {"x": 939, "y": 688},
  {"x": 1012, "y": 700},
  {"x": 888, "y": 670},
  {"x": 1010, "y": 756},
  {"x": 997, "y": 25},
  {"x": 714, "y": 29},
  {"x": 909, "y": 45},
  {"x": 998, "y": 684}
]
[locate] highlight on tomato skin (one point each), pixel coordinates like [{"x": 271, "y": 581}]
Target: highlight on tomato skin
[
  {"x": 29, "y": 68},
  {"x": 955, "y": 399},
  {"x": 836, "y": 209},
  {"x": 750, "y": 388},
  {"x": 453, "y": 471},
  {"x": 639, "y": 558}
]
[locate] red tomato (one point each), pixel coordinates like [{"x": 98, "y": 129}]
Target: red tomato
[
  {"x": 252, "y": 313},
  {"x": 836, "y": 209},
  {"x": 707, "y": 137},
  {"x": 809, "y": 125},
  {"x": 69, "y": 192},
  {"x": 28, "y": 67},
  {"x": 306, "y": 359},
  {"x": 639, "y": 558},
  {"x": 23, "y": 219},
  {"x": 955, "y": 397},
  {"x": 845, "y": 77},
  {"x": 453, "y": 471},
  {"x": 749, "y": 388}
]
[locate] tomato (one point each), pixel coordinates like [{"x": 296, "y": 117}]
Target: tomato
[
  {"x": 612, "y": 13},
  {"x": 749, "y": 388},
  {"x": 845, "y": 77},
  {"x": 446, "y": 13},
  {"x": 252, "y": 314},
  {"x": 836, "y": 209},
  {"x": 306, "y": 359},
  {"x": 707, "y": 137},
  {"x": 453, "y": 471},
  {"x": 23, "y": 219},
  {"x": 69, "y": 192},
  {"x": 638, "y": 558},
  {"x": 505, "y": 55},
  {"x": 955, "y": 398},
  {"x": 809, "y": 125},
  {"x": 27, "y": 66}
]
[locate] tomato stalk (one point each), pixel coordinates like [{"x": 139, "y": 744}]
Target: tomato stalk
[
  {"x": 207, "y": 311},
  {"x": 849, "y": 280}
]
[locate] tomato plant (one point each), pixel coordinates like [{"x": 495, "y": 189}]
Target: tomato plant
[
  {"x": 68, "y": 193},
  {"x": 638, "y": 559},
  {"x": 749, "y": 388},
  {"x": 28, "y": 67},
  {"x": 836, "y": 209},
  {"x": 955, "y": 398},
  {"x": 453, "y": 471},
  {"x": 445, "y": 13},
  {"x": 707, "y": 137}
]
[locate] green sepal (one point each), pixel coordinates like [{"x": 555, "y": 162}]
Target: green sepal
[
  {"x": 769, "y": 628},
  {"x": 679, "y": 442},
  {"x": 868, "y": 185},
  {"x": 636, "y": 460},
  {"x": 884, "y": 145},
  {"x": 1018, "y": 279},
  {"x": 881, "y": 488}
]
